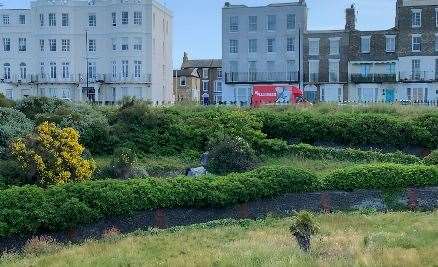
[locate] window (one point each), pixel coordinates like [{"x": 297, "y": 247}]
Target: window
[
  {"x": 42, "y": 20},
  {"x": 234, "y": 46},
  {"x": 125, "y": 18},
  {"x": 114, "y": 19},
  {"x": 270, "y": 69},
  {"x": 234, "y": 68},
  {"x": 92, "y": 45},
  {"x": 416, "y": 69},
  {"x": 270, "y": 45},
  {"x": 125, "y": 45},
  {"x": 313, "y": 70},
  {"x": 92, "y": 70},
  {"x": 271, "y": 22},
  {"x": 205, "y": 86},
  {"x": 334, "y": 46},
  {"x": 333, "y": 71},
  {"x": 125, "y": 69},
  {"x": 219, "y": 73},
  {"x": 252, "y": 46},
  {"x": 234, "y": 24},
  {"x": 290, "y": 22},
  {"x": 22, "y": 19},
  {"x": 92, "y": 20},
  {"x": 252, "y": 23},
  {"x": 290, "y": 44},
  {"x": 65, "y": 70},
  {"x": 252, "y": 69},
  {"x": 313, "y": 47},
  {"x": 138, "y": 44},
  {"x": 65, "y": 45},
  {"x": 52, "y": 70},
  {"x": 6, "y": 19},
  {"x": 42, "y": 70},
  {"x": 137, "y": 69},
  {"x": 365, "y": 45},
  {"x": 205, "y": 73},
  {"x": 42, "y": 45},
  {"x": 7, "y": 71},
  {"x": 7, "y": 44},
  {"x": 391, "y": 68},
  {"x": 65, "y": 20},
  {"x": 138, "y": 18},
  {"x": 52, "y": 19},
  {"x": 415, "y": 94},
  {"x": 114, "y": 44},
  {"x": 291, "y": 70},
  {"x": 9, "y": 93},
  {"x": 114, "y": 69},
  {"x": 182, "y": 81},
  {"x": 390, "y": 43},
  {"x": 52, "y": 45},
  {"x": 365, "y": 69},
  {"x": 416, "y": 43},
  {"x": 21, "y": 44},
  {"x": 218, "y": 87},
  {"x": 416, "y": 18}
]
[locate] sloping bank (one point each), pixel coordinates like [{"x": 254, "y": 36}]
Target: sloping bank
[{"x": 27, "y": 210}]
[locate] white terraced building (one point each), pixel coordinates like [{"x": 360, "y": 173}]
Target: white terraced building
[{"x": 122, "y": 47}]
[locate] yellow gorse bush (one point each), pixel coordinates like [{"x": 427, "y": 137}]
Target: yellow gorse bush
[{"x": 53, "y": 155}]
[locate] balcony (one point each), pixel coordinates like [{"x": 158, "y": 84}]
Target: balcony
[
  {"x": 79, "y": 78},
  {"x": 418, "y": 76},
  {"x": 260, "y": 77},
  {"x": 373, "y": 78}
]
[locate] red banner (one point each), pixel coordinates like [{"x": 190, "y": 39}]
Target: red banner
[{"x": 264, "y": 94}]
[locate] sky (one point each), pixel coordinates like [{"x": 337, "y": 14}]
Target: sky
[{"x": 197, "y": 23}]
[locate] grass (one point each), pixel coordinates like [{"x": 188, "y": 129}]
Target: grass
[{"x": 392, "y": 239}]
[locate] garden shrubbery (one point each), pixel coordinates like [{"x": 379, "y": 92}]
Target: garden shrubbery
[
  {"x": 13, "y": 124},
  {"x": 29, "y": 209}
]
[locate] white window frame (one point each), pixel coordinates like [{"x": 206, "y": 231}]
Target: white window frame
[
  {"x": 290, "y": 44},
  {"x": 92, "y": 45},
  {"x": 271, "y": 22},
  {"x": 314, "y": 50},
  {"x": 414, "y": 36},
  {"x": 234, "y": 46},
  {"x": 125, "y": 44},
  {"x": 205, "y": 72},
  {"x": 22, "y": 44},
  {"x": 53, "y": 71},
  {"x": 41, "y": 20},
  {"x": 92, "y": 20},
  {"x": 125, "y": 18},
  {"x": 114, "y": 19},
  {"x": 23, "y": 71},
  {"x": 6, "y": 19},
  {"x": 335, "y": 45},
  {"x": 22, "y": 19},
  {"x": 252, "y": 46},
  {"x": 65, "y": 70},
  {"x": 52, "y": 45},
  {"x": 313, "y": 63},
  {"x": 252, "y": 25},
  {"x": 65, "y": 45},
  {"x": 65, "y": 17},
  {"x": 138, "y": 44},
  {"x": 42, "y": 45},
  {"x": 138, "y": 18},
  {"x": 366, "y": 39},
  {"x": 290, "y": 21},
  {"x": 234, "y": 24},
  {"x": 331, "y": 62},
  {"x": 183, "y": 81},
  {"x": 270, "y": 45},
  {"x": 414, "y": 18},
  {"x": 204, "y": 87},
  {"x": 125, "y": 68},
  {"x": 390, "y": 47},
  {"x": 137, "y": 68},
  {"x": 7, "y": 71},
  {"x": 52, "y": 19},
  {"x": 6, "y": 44}
]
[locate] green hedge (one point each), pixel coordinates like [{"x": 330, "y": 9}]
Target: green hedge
[
  {"x": 351, "y": 129},
  {"x": 29, "y": 209},
  {"x": 349, "y": 154},
  {"x": 381, "y": 176}
]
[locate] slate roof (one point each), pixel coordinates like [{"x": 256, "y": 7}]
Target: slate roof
[
  {"x": 202, "y": 63},
  {"x": 189, "y": 72}
]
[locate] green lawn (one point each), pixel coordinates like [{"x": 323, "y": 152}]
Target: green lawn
[{"x": 393, "y": 239}]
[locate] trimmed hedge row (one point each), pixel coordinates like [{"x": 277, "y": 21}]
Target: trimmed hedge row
[
  {"x": 349, "y": 154},
  {"x": 30, "y": 209},
  {"x": 351, "y": 129}
]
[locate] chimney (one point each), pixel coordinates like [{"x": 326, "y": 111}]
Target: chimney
[
  {"x": 350, "y": 18},
  {"x": 185, "y": 57}
]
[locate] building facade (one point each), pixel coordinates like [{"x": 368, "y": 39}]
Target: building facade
[
  {"x": 261, "y": 45},
  {"x": 187, "y": 86},
  {"x": 210, "y": 73},
  {"x": 96, "y": 50}
]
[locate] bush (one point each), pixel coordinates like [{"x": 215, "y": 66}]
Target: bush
[
  {"x": 32, "y": 106},
  {"x": 6, "y": 103},
  {"x": 432, "y": 159},
  {"x": 302, "y": 228},
  {"x": 30, "y": 209},
  {"x": 382, "y": 176},
  {"x": 13, "y": 124},
  {"x": 52, "y": 156},
  {"x": 229, "y": 154},
  {"x": 92, "y": 124},
  {"x": 352, "y": 155}
]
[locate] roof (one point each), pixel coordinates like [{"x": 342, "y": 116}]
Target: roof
[
  {"x": 202, "y": 63},
  {"x": 189, "y": 72}
]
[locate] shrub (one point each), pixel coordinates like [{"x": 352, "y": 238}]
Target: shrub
[
  {"x": 93, "y": 125},
  {"x": 52, "y": 155},
  {"x": 32, "y": 106},
  {"x": 6, "y": 103},
  {"x": 40, "y": 245},
  {"x": 382, "y": 176},
  {"x": 302, "y": 228},
  {"x": 349, "y": 154},
  {"x": 432, "y": 159},
  {"x": 30, "y": 208},
  {"x": 13, "y": 124},
  {"x": 229, "y": 154}
]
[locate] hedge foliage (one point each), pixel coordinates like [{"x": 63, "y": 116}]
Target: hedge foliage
[
  {"x": 353, "y": 155},
  {"x": 13, "y": 124},
  {"x": 30, "y": 209}
]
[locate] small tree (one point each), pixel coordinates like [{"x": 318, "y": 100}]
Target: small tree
[
  {"x": 230, "y": 154},
  {"x": 124, "y": 161},
  {"x": 52, "y": 155},
  {"x": 432, "y": 159},
  {"x": 303, "y": 227}
]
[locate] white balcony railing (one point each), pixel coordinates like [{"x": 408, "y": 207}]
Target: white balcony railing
[{"x": 78, "y": 78}]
